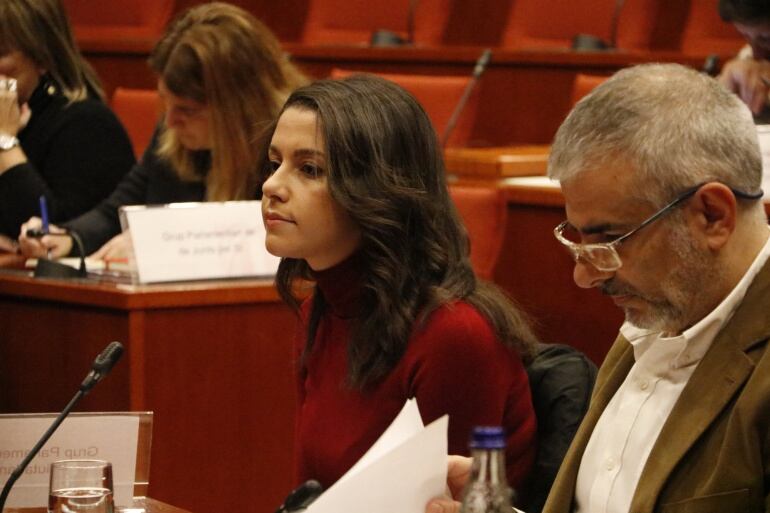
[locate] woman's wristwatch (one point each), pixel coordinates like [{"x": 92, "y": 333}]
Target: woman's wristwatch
[{"x": 8, "y": 142}]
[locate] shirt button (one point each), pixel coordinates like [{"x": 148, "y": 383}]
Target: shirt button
[
  {"x": 644, "y": 384},
  {"x": 610, "y": 463}
]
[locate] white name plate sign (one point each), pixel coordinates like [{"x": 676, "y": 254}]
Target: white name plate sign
[
  {"x": 199, "y": 241},
  {"x": 81, "y": 436}
]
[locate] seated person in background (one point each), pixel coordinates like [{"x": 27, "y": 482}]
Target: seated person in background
[
  {"x": 748, "y": 75},
  {"x": 70, "y": 148},
  {"x": 223, "y": 78},
  {"x": 662, "y": 199},
  {"x": 355, "y": 199}
]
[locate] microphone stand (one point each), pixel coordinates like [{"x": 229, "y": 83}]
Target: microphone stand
[
  {"x": 615, "y": 22},
  {"x": 478, "y": 70},
  {"x": 410, "y": 15},
  {"x": 101, "y": 366},
  {"x": 18, "y": 471}
]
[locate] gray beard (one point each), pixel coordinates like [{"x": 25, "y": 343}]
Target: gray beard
[{"x": 681, "y": 288}]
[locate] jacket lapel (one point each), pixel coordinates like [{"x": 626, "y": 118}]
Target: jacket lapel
[
  {"x": 720, "y": 374},
  {"x": 616, "y": 366}
]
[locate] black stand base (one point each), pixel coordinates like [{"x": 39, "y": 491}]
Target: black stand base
[
  {"x": 589, "y": 43},
  {"x": 386, "y": 38},
  {"x": 50, "y": 269}
]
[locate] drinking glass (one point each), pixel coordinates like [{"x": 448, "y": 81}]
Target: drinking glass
[{"x": 80, "y": 486}]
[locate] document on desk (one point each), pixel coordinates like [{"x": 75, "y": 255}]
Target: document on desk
[{"x": 401, "y": 472}]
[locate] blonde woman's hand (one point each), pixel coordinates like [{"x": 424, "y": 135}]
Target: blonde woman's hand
[{"x": 117, "y": 248}]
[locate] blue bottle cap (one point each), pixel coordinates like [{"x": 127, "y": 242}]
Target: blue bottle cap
[{"x": 488, "y": 437}]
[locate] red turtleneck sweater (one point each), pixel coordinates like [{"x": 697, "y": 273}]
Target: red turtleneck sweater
[{"x": 454, "y": 364}]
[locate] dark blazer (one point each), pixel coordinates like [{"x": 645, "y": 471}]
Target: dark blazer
[
  {"x": 152, "y": 181},
  {"x": 76, "y": 154},
  {"x": 713, "y": 453}
]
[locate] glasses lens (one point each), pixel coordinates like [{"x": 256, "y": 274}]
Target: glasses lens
[
  {"x": 604, "y": 258},
  {"x": 570, "y": 233}
]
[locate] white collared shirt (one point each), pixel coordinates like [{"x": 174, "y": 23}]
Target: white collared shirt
[{"x": 627, "y": 429}]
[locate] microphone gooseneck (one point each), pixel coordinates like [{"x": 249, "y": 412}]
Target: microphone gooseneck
[
  {"x": 410, "y": 15},
  {"x": 481, "y": 65},
  {"x": 615, "y": 22},
  {"x": 101, "y": 366}
]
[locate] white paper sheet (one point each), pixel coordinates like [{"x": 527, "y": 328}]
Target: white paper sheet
[
  {"x": 406, "y": 424},
  {"x": 401, "y": 472}
]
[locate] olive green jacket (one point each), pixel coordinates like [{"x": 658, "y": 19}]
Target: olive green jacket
[{"x": 713, "y": 453}]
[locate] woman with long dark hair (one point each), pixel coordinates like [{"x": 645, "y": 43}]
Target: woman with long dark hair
[{"x": 355, "y": 200}]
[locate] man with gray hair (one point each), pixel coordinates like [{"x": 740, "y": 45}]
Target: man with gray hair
[{"x": 660, "y": 171}]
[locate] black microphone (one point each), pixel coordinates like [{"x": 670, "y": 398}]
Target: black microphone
[
  {"x": 102, "y": 365},
  {"x": 301, "y": 497},
  {"x": 478, "y": 70},
  {"x": 100, "y": 368}
]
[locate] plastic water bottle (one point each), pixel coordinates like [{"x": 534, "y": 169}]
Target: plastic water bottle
[{"x": 488, "y": 490}]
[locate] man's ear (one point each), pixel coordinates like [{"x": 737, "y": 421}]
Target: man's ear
[{"x": 715, "y": 211}]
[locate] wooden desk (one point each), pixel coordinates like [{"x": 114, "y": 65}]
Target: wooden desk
[
  {"x": 496, "y": 163},
  {"x": 141, "y": 505},
  {"x": 212, "y": 360}
]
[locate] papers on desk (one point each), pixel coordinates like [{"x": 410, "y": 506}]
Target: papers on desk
[
  {"x": 533, "y": 181},
  {"x": 401, "y": 472},
  {"x": 198, "y": 241},
  {"x": 92, "y": 264}
]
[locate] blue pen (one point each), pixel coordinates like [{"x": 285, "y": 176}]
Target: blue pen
[{"x": 44, "y": 213}]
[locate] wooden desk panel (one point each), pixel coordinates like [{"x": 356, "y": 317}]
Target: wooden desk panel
[
  {"x": 497, "y": 162},
  {"x": 141, "y": 504},
  {"x": 212, "y": 360},
  {"x": 536, "y": 271}
]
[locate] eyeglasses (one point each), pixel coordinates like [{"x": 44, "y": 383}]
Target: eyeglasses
[{"x": 604, "y": 256}]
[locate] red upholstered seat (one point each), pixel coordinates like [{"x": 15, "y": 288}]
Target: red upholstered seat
[
  {"x": 438, "y": 95},
  {"x": 583, "y": 85},
  {"x": 353, "y": 21},
  {"x": 485, "y": 214},
  {"x": 553, "y": 24},
  {"x": 118, "y": 24},
  {"x": 705, "y": 32},
  {"x": 139, "y": 111}
]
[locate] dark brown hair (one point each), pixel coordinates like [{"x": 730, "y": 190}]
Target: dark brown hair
[
  {"x": 386, "y": 170},
  {"x": 745, "y": 11}
]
